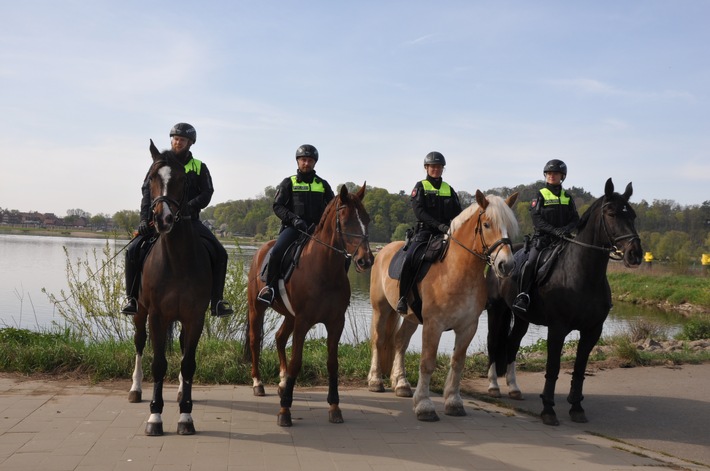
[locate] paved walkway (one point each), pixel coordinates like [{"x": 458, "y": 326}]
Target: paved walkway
[{"x": 60, "y": 425}]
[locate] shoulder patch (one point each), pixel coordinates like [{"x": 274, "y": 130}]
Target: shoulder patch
[
  {"x": 533, "y": 203},
  {"x": 414, "y": 192}
]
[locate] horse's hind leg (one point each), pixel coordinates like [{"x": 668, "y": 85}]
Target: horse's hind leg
[
  {"x": 587, "y": 340},
  {"x": 139, "y": 339}
]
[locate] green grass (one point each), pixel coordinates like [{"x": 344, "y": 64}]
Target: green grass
[{"x": 648, "y": 288}]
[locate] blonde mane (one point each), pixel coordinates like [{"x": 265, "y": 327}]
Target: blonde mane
[{"x": 497, "y": 211}]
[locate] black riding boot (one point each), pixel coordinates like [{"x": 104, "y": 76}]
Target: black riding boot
[
  {"x": 220, "y": 307},
  {"x": 133, "y": 277},
  {"x": 267, "y": 293}
]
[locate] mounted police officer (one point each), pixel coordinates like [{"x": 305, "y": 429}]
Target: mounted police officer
[
  {"x": 554, "y": 215},
  {"x": 435, "y": 204},
  {"x": 199, "y": 193},
  {"x": 299, "y": 202}
]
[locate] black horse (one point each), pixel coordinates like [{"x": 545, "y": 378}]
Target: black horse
[{"x": 575, "y": 296}]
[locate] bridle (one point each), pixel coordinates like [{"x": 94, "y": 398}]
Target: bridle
[
  {"x": 364, "y": 237},
  {"x": 174, "y": 205},
  {"x": 487, "y": 251},
  {"x": 613, "y": 250}
]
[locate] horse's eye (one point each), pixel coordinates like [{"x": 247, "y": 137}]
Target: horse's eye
[{"x": 487, "y": 225}]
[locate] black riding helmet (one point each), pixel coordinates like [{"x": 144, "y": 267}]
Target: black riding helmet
[
  {"x": 184, "y": 130},
  {"x": 556, "y": 165},
  {"x": 434, "y": 158},
  {"x": 307, "y": 150}
]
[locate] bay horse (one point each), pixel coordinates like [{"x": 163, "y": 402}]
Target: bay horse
[
  {"x": 453, "y": 295},
  {"x": 575, "y": 296},
  {"x": 318, "y": 291},
  {"x": 175, "y": 287}
]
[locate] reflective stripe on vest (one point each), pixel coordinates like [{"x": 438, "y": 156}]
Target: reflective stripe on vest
[
  {"x": 193, "y": 165},
  {"x": 429, "y": 189},
  {"x": 551, "y": 199},
  {"x": 316, "y": 186}
]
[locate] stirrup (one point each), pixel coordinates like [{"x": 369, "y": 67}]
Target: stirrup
[
  {"x": 222, "y": 309},
  {"x": 266, "y": 295},
  {"x": 521, "y": 302},
  {"x": 402, "y": 305},
  {"x": 130, "y": 307}
]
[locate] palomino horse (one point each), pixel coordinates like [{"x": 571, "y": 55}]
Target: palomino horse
[
  {"x": 575, "y": 296},
  {"x": 175, "y": 287},
  {"x": 453, "y": 295},
  {"x": 318, "y": 291}
]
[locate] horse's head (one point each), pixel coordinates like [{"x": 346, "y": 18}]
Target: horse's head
[
  {"x": 350, "y": 220},
  {"x": 618, "y": 218},
  {"x": 167, "y": 189},
  {"x": 495, "y": 224}
]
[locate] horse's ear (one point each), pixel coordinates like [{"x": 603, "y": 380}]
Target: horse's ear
[
  {"x": 481, "y": 199},
  {"x": 609, "y": 187},
  {"x": 629, "y": 191},
  {"x": 154, "y": 152},
  {"x": 361, "y": 192},
  {"x": 510, "y": 201},
  {"x": 343, "y": 193}
]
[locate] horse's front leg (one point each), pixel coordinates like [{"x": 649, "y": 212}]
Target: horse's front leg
[
  {"x": 256, "y": 332},
  {"x": 398, "y": 378},
  {"x": 281, "y": 337},
  {"x": 289, "y": 378},
  {"x": 555, "y": 342},
  {"x": 154, "y": 427},
  {"x": 335, "y": 330},
  {"x": 378, "y": 344},
  {"x": 453, "y": 404},
  {"x": 587, "y": 341},
  {"x": 186, "y": 426},
  {"x": 423, "y": 405},
  {"x": 139, "y": 339}
]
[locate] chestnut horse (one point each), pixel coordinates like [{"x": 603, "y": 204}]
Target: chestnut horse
[
  {"x": 175, "y": 286},
  {"x": 453, "y": 295},
  {"x": 318, "y": 291},
  {"x": 575, "y": 296}
]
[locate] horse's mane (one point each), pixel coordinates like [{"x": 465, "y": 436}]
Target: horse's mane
[
  {"x": 498, "y": 211},
  {"x": 584, "y": 219},
  {"x": 166, "y": 157},
  {"x": 326, "y": 213}
]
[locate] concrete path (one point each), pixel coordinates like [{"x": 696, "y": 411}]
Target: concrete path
[{"x": 60, "y": 425}]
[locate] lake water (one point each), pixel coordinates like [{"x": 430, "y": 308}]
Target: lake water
[{"x": 30, "y": 263}]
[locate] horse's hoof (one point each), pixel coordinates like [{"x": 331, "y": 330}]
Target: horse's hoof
[
  {"x": 517, "y": 395},
  {"x": 494, "y": 392},
  {"x": 186, "y": 428},
  {"x": 549, "y": 419},
  {"x": 578, "y": 416},
  {"x": 154, "y": 429},
  {"x": 284, "y": 419},
  {"x": 335, "y": 417},
  {"x": 403, "y": 391},
  {"x": 455, "y": 411},
  {"x": 135, "y": 396},
  {"x": 259, "y": 390},
  {"x": 429, "y": 416},
  {"x": 378, "y": 387}
]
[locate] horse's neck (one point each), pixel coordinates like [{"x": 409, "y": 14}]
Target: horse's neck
[
  {"x": 460, "y": 256},
  {"x": 587, "y": 261},
  {"x": 323, "y": 249}
]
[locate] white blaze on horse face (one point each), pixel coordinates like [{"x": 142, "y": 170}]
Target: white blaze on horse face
[
  {"x": 165, "y": 175},
  {"x": 362, "y": 226}
]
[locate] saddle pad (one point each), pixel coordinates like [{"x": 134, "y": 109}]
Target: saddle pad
[{"x": 395, "y": 267}]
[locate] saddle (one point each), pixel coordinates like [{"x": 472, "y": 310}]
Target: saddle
[
  {"x": 289, "y": 262},
  {"x": 426, "y": 252},
  {"x": 546, "y": 260}
]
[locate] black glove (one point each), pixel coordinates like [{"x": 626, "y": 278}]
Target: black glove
[
  {"x": 560, "y": 232},
  {"x": 300, "y": 224},
  {"x": 443, "y": 228},
  {"x": 144, "y": 228}
]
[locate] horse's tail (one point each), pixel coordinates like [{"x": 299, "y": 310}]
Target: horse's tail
[{"x": 499, "y": 319}]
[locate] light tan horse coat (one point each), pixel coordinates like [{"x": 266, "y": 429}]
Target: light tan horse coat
[{"x": 453, "y": 297}]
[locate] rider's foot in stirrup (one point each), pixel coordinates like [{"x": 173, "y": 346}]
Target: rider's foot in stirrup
[
  {"x": 130, "y": 307},
  {"x": 222, "y": 309},
  {"x": 402, "y": 305},
  {"x": 266, "y": 295},
  {"x": 522, "y": 302}
]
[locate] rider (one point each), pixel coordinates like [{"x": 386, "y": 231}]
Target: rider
[
  {"x": 299, "y": 202},
  {"x": 435, "y": 204},
  {"x": 199, "y": 193},
  {"x": 554, "y": 215}
]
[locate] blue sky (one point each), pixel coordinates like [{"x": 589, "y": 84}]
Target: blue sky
[{"x": 614, "y": 88}]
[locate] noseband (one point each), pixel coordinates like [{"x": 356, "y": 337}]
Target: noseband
[{"x": 487, "y": 251}]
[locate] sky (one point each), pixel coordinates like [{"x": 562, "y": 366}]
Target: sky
[{"x": 616, "y": 89}]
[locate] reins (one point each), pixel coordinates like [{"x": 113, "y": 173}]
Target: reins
[
  {"x": 487, "y": 251},
  {"x": 339, "y": 231}
]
